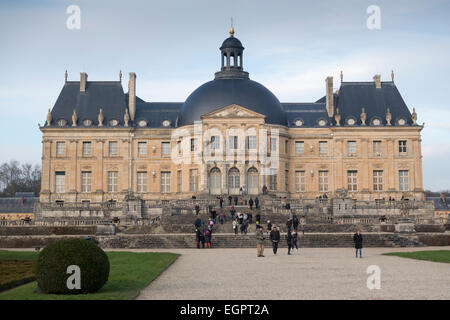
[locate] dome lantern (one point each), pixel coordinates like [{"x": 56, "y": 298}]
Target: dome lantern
[{"x": 231, "y": 57}]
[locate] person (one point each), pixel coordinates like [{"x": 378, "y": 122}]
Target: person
[
  {"x": 294, "y": 240},
  {"x": 213, "y": 214},
  {"x": 295, "y": 223},
  {"x": 198, "y": 235},
  {"x": 235, "y": 226},
  {"x": 230, "y": 198},
  {"x": 269, "y": 225},
  {"x": 240, "y": 217},
  {"x": 197, "y": 208},
  {"x": 232, "y": 212},
  {"x": 264, "y": 189},
  {"x": 242, "y": 228},
  {"x": 240, "y": 190},
  {"x": 235, "y": 200},
  {"x": 250, "y": 217},
  {"x": 358, "y": 240},
  {"x": 275, "y": 238},
  {"x": 250, "y": 202},
  {"x": 245, "y": 217},
  {"x": 258, "y": 218},
  {"x": 289, "y": 223},
  {"x": 289, "y": 240},
  {"x": 244, "y": 190},
  {"x": 246, "y": 226},
  {"x": 260, "y": 241},
  {"x": 210, "y": 223},
  {"x": 256, "y": 203},
  {"x": 221, "y": 218},
  {"x": 198, "y": 222},
  {"x": 221, "y": 201},
  {"x": 208, "y": 238}
]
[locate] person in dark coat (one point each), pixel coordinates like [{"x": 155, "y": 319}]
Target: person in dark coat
[
  {"x": 197, "y": 208},
  {"x": 258, "y": 218},
  {"x": 235, "y": 200},
  {"x": 275, "y": 238},
  {"x": 232, "y": 212},
  {"x": 358, "y": 240},
  {"x": 295, "y": 223},
  {"x": 250, "y": 202},
  {"x": 250, "y": 217},
  {"x": 213, "y": 215},
  {"x": 229, "y": 199},
  {"x": 289, "y": 240},
  {"x": 256, "y": 203},
  {"x": 289, "y": 223},
  {"x": 221, "y": 201},
  {"x": 198, "y": 222},
  {"x": 198, "y": 237},
  {"x": 294, "y": 240},
  {"x": 269, "y": 225}
]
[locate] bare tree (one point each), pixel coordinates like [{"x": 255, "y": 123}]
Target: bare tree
[{"x": 15, "y": 177}]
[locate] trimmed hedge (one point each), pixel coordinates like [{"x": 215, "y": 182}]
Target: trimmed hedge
[
  {"x": 15, "y": 273},
  {"x": 53, "y": 261}
]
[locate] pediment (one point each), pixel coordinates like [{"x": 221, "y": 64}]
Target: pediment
[{"x": 233, "y": 111}]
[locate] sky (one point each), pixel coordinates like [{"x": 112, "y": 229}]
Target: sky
[{"x": 173, "y": 46}]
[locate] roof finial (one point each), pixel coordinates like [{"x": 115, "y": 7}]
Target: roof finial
[
  {"x": 342, "y": 76},
  {"x": 231, "y": 28},
  {"x": 392, "y": 75},
  {"x": 120, "y": 75},
  {"x": 65, "y": 75}
]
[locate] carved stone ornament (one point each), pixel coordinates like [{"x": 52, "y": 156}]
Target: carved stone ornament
[
  {"x": 100, "y": 118},
  {"x": 363, "y": 116},
  {"x": 49, "y": 118},
  {"x": 126, "y": 118},
  {"x": 388, "y": 117},
  {"x": 337, "y": 117},
  {"x": 414, "y": 117},
  {"x": 74, "y": 118}
]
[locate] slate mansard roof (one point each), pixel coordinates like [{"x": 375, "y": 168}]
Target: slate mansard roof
[{"x": 109, "y": 96}]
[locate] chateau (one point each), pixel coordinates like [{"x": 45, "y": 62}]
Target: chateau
[{"x": 102, "y": 144}]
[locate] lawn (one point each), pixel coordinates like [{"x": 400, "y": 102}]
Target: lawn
[
  {"x": 130, "y": 272},
  {"x": 434, "y": 255}
]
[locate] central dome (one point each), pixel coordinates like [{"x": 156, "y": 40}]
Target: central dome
[
  {"x": 220, "y": 93},
  {"x": 231, "y": 86}
]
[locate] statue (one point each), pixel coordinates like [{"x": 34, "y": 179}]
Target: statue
[
  {"x": 49, "y": 118},
  {"x": 414, "y": 117},
  {"x": 388, "y": 117},
  {"x": 337, "y": 117},
  {"x": 126, "y": 117},
  {"x": 363, "y": 116},
  {"x": 66, "y": 75},
  {"x": 342, "y": 76},
  {"x": 120, "y": 75},
  {"x": 100, "y": 118},
  {"x": 392, "y": 75},
  {"x": 74, "y": 118}
]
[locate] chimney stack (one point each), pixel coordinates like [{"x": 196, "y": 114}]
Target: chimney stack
[
  {"x": 83, "y": 81},
  {"x": 329, "y": 96},
  {"x": 377, "y": 80},
  {"x": 132, "y": 95}
]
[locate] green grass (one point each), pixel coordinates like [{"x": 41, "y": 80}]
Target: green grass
[
  {"x": 130, "y": 272},
  {"x": 434, "y": 255}
]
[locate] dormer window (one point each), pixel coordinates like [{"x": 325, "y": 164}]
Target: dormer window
[
  {"x": 113, "y": 122},
  {"x": 166, "y": 123},
  {"x": 61, "y": 122},
  {"x": 142, "y": 123},
  {"x": 401, "y": 122},
  {"x": 87, "y": 122}
]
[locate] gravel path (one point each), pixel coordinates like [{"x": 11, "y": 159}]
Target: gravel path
[{"x": 326, "y": 273}]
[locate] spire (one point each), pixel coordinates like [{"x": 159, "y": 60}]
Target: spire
[{"x": 231, "y": 28}]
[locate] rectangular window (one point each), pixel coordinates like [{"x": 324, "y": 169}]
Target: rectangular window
[
  {"x": 193, "y": 144},
  {"x": 352, "y": 180},
  {"x": 403, "y": 180},
  {"x": 351, "y": 147},
  {"x": 113, "y": 148},
  {"x": 165, "y": 148},
  {"x": 252, "y": 143},
  {"x": 215, "y": 142},
  {"x": 142, "y": 181},
  {"x": 273, "y": 144},
  {"x": 286, "y": 146},
  {"x": 323, "y": 147},
  {"x": 402, "y": 146},
  {"x": 286, "y": 180},
  {"x": 86, "y": 148},
  {"x": 165, "y": 182},
  {"x": 85, "y": 181},
  {"x": 179, "y": 180},
  {"x": 193, "y": 180},
  {"x": 233, "y": 142},
  {"x": 323, "y": 181},
  {"x": 299, "y": 147},
  {"x": 378, "y": 180},
  {"x": 60, "y": 148},
  {"x": 60, "y": 181},
  {"x": 142, "y": 148},
  {"x": 112, "y": 181},
  {"x": 300, "y": 183},
  {"x": 273, "y": 182},
  {"x": 377, "y": 147}
]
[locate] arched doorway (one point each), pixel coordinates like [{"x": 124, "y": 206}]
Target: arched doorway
[
  {"x": 215, "y": 181},
  {"x": 234, "y": 182},
  {"x": 253, "y": 181}
]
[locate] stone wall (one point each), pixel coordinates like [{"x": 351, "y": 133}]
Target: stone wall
[{"x": 47, "y": 230}]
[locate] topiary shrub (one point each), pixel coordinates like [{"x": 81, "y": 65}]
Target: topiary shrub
[{"x": 53, "y": 260}]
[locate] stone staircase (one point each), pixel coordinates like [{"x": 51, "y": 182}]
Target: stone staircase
[{"x": 226, "y": 240}]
